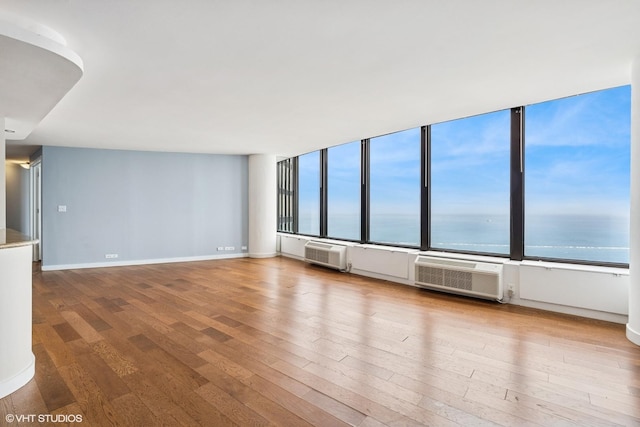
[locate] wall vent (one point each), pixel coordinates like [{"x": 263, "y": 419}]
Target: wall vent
[
  {"x": 326, "y": 254},
  {"x": 479, "y": 279}
]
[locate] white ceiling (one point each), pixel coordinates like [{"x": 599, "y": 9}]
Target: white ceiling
[
  {"x": 291, "y": 76},
  {"x": 36, "y": 71}
]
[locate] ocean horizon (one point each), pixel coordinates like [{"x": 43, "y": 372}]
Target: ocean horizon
[{"x": 584, "y": 237}]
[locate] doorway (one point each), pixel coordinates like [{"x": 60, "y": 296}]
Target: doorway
[{"x": 36, "y": 208}]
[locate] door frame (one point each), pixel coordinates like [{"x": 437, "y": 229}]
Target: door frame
[{"x": 35, "y": 207}]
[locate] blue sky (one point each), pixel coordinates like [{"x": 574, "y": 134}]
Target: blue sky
[
  {"x": 577, "y": 154},
  {"x": 577, "y": 161},
  {"x": 395, "y": 173},
  {"x": 470, "y": 165}
]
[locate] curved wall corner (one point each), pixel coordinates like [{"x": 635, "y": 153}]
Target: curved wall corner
[
  {"x": 633, "y": 326},
  {"x": 17, "y": 363},
  {"x": 37, "y": 71}
]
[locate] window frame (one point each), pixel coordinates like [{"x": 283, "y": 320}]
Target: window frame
[{"x": 517, "y": 193}]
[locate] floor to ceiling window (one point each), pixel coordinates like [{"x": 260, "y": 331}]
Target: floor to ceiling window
[
  {"x": 470, "y": 184},
  {"x": 577, "y": 177},
  {"x": 575, "y": 193},
  {"x": 309, "y": 193},
  {"x": 286, "y": 195},
  {"x": 395, "y": 188},
  {"x": 343, "y": 191}
]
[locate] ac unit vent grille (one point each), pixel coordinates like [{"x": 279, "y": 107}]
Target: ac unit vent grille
[
  {"x": 317, "y": 255},
  {"x": 327, "y": 254},
  {"x": 458, "y": 279},
  {"x": 478, "y": 279},
  {"x": 433, "y": 275}
]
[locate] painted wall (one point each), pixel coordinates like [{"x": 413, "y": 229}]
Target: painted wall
[
  {"x": 582, "y": 290},
  {"x": 142, "y": 206},
  {"x": 17, "y": 198}
]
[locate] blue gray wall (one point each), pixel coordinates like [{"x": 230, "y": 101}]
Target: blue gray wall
[{"x": 143, "y": 206}]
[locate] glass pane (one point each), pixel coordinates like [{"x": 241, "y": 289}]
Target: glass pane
[
  {"x": 343, "y": 191},
  {"x": 309, "y": 193},
  {"x": 577, "y": 177},
  {"x": 285, "y": 195},
  {"x": 395, "y": 188},
  {"x": 470, "y": 184}
]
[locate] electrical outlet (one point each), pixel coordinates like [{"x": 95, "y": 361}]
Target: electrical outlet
[
  {"x": 511, "y": 290},
  {"x": 229, "y": 248},
  {"x": 220, "y": 248},
  {"x": 111, "y": 256}
]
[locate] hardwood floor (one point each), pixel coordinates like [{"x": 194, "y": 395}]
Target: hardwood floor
[{"x": 279, "y": 342}]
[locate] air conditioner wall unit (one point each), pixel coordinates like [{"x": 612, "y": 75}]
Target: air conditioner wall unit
[
  {"x": 479, "y": 279},
  {"x": 326, "y": 254}
]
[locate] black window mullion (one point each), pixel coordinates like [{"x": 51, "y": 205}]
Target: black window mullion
[
  {"x": 294, "y": 197},
  {"x": 517, "y": 184},
  {"x": 324, "y": 221},
  {"x": 425, "y": 188},
  {"x": 281, "y": 185},
  {"x": 364, "y": 191},
  {"x": 285, "y": 194}
]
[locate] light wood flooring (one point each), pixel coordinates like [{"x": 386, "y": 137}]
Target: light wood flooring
[{"x": 279, "y": 342}]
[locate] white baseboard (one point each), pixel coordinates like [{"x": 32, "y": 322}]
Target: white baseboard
[
  {"x": 632, "y": 335},
  {"x": 574, "y": 311},
  {"x": 263, "y": 255},
  {"x": 379, "y": 276},
  {"x": 126, "y": 263},
  {"x": 9, "y": 385},
  {"x": 292, "y": 256}
]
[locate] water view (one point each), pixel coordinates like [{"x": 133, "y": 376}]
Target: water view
[{"x": 597, "y": 238}]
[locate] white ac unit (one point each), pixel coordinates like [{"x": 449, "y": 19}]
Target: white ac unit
[
  {"x": 327, "y": 254},
  {"x": 479, "y": 279}
]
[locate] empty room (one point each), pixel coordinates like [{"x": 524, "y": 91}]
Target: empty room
[{"x": 302, "y": 213}]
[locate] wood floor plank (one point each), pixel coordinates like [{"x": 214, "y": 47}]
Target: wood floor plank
[
  {"x": 174, "y": 349},
  {"x": 161, "y": 406},
  {"x": 281, "y": 342},
  {"x": 106, "y": 379},
  {"x": 334, "y": 407},
  {"x": 81, "y": 326},
  {"x": 134, "y": 412},
  {"x": 230, "y": 407},
  {"x": 66, "y": 332},
  {"x": 89, "y": 396},
  {"x": 574, "y": 415},
  {"x": 90, "y": 317},
  {"x": 255, "y": 364},
  {"x": 305, "y": 410},
  {"x": 233, "y": 379},
  {"x": 60, "y": 353},
  {"x": 352, "y": 399},
  {"x": 112, "y": 357},
  {"x": 52, "y": 387}
]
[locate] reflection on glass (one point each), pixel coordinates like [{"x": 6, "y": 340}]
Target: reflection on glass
[
  {"x": 343, "y": 191},
  {"x": 395, "y": 188},
  {"x": 470, "y": 184},
  {"x": 309, "y": 193},
  {"x": 577, "y": 177}
]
